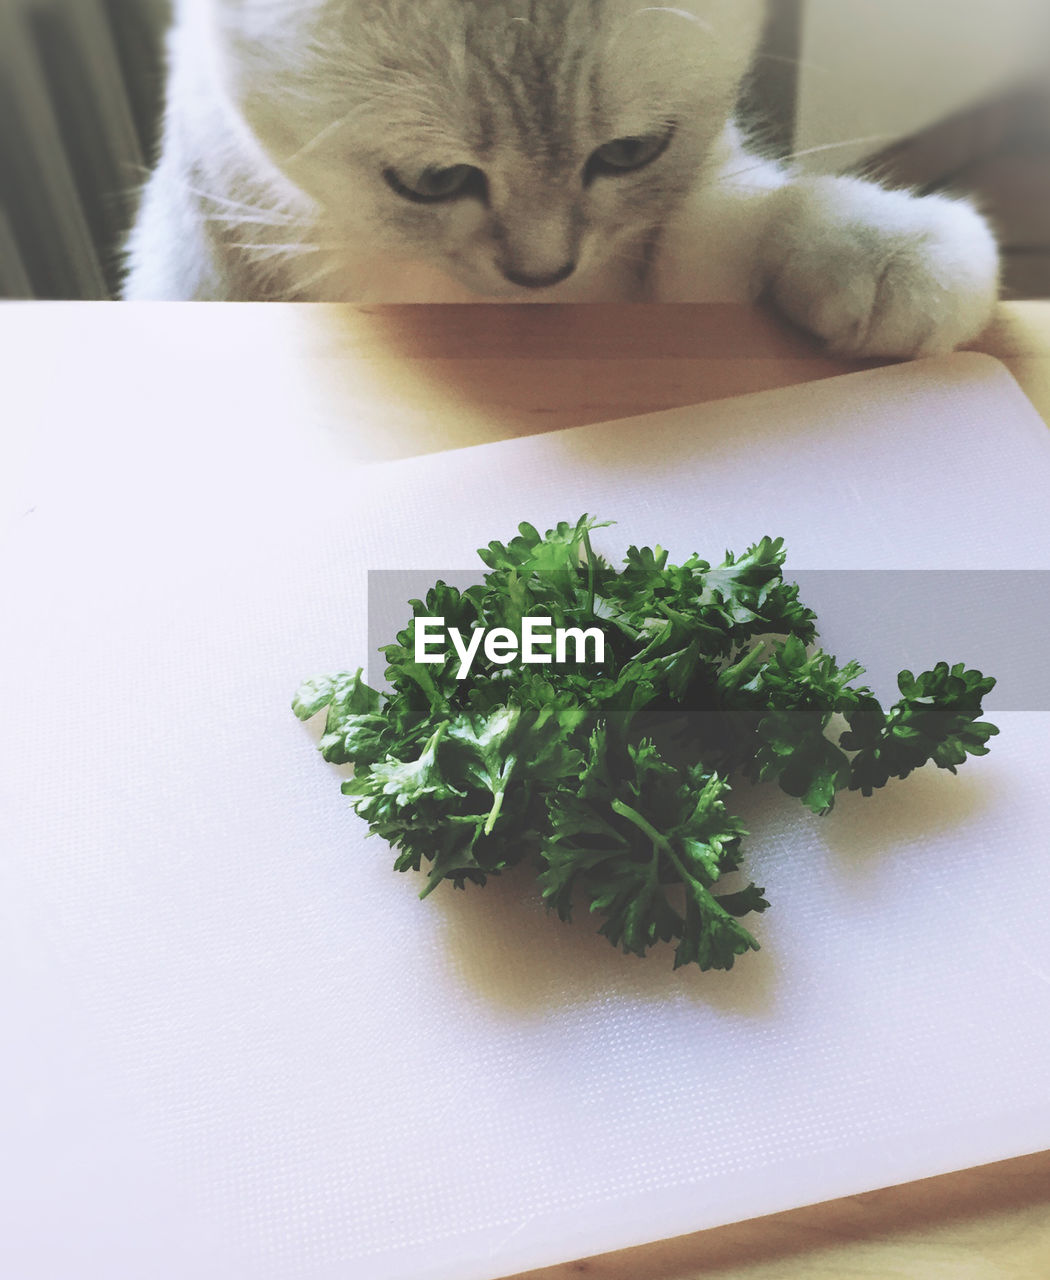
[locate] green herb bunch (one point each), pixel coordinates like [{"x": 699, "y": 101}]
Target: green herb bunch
[{"x": 613, "y": 778}]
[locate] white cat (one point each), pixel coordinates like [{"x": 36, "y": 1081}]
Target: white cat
[{"x": 523, "y": 150}]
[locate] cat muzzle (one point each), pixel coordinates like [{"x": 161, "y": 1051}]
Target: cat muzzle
[{"x": 539, "y": 282}]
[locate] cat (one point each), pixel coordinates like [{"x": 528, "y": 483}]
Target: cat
[{"x": 524, "y": 150}]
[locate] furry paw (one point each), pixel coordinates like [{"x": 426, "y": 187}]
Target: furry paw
[{"x": 880, "y": 273}]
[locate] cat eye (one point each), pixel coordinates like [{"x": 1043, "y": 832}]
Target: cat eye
[
  {"x": 434, "y": 185},
  {"x": 625, "y": 155}
]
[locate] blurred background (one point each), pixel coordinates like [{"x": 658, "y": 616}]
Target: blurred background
[{"x": 933, "y": 94}]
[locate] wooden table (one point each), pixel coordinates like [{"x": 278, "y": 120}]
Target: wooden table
[{"x": 440, "y": 377}]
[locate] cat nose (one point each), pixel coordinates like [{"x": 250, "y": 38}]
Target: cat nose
[{"x": 539, "y": 282}]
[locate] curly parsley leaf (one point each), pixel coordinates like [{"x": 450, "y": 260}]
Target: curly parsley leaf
[
  {"x": 936, "y": 719},
  {"x": 627, "y": 840},
  {"x": 613, "y": 778}
]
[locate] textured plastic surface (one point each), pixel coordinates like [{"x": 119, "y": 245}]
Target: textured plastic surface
[{"x": 239, "y": 1046}]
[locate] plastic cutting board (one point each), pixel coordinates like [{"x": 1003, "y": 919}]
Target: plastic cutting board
[{"x": 237, "y": 1045}]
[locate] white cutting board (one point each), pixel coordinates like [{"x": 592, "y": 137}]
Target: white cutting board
[{"x": 237, "y": 1043}]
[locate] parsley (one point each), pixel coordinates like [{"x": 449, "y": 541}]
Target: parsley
[{"x": 613, "y": 779}]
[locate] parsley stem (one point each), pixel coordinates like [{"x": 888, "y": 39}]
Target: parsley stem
[
  {"x": 590, "y": 571},
  {"x": 732, "y": 677},
  {"x": 497, "y": 804},
  {"x": 660, "y": 842},
  {"x": 632, "y": 815}
]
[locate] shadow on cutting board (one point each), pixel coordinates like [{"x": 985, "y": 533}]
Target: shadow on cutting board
[
  {"x": 509, "y": 949},
  {"x": 871, "y": 830}
]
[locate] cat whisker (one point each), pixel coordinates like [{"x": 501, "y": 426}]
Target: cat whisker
[
  {"x": 678, "y": 13},
  {"x": 276, "y": 250},
  {"x": 308, "y": 282},
  {"x": 239, "y": 220},
  {"x": 141, "y": 171},
  {"x": 808, "y": 151},
  {"x": 320, "y": 137},
  {"x": 834, "y": 146},
  {"x": 271, "y": 215}
]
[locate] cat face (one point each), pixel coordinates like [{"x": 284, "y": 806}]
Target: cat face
[{"x": 510, "y": 144}]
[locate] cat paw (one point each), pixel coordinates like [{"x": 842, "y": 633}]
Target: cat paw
[{"x": 880, "y": 273}]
